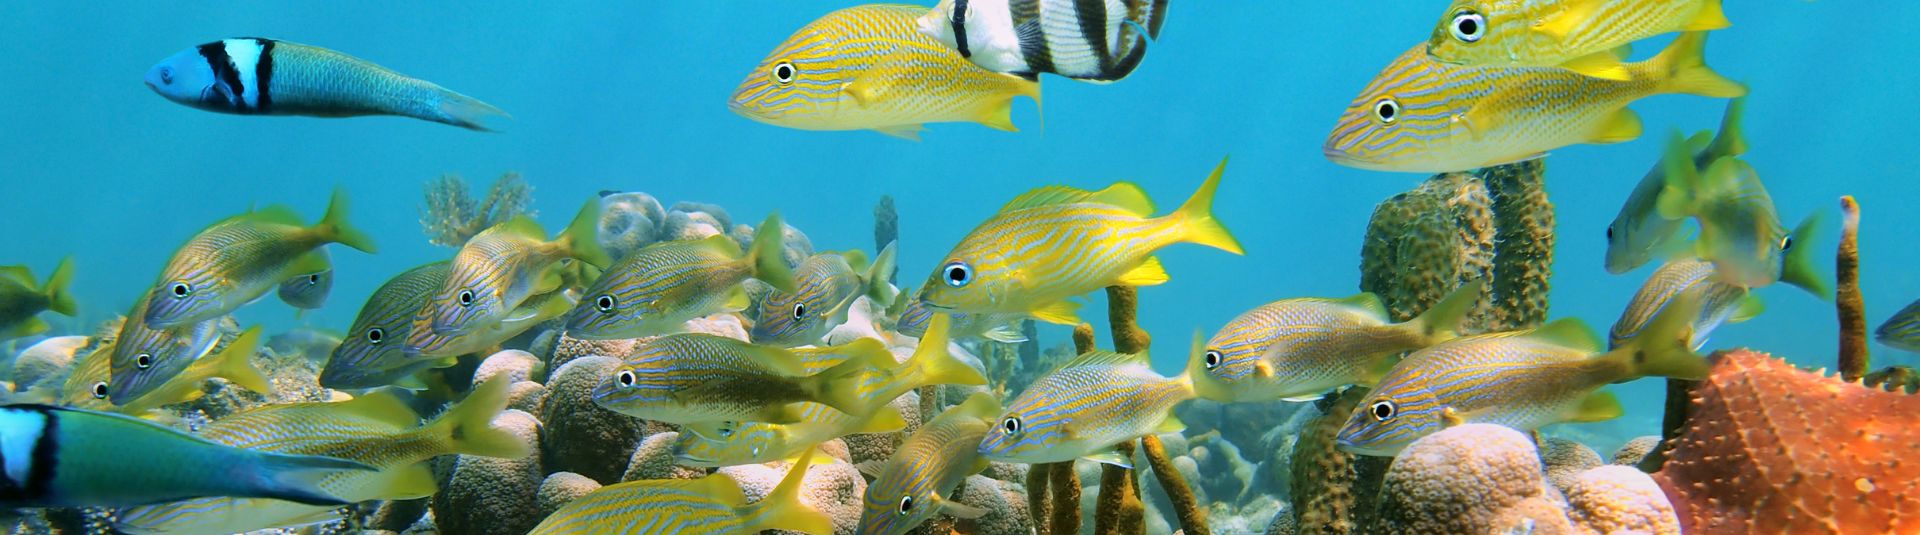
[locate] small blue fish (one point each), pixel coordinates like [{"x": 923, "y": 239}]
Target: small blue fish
[{"x": 255, "y": 76}]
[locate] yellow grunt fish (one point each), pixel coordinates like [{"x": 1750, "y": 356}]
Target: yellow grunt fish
[
  {"x": 709, "y": 505},
  {"x": 870, "y": 67},
  {"x": 1421, "y": 115},
  {"x": 1639, "y": 233},
  {"x": 916, "y": 482},
  {"x": 234, "y": 363},
  {"x": 1057, "y": 242},
  {"x": 241, "y": 258},
  {"x": 1719, "y": 302},
  {"x": 1084, "y": 408},
  {"x": 503, "y": 266},
  {"x": 1578, "y": 35},
  {"x": 1740, "y": 232},
  {"x": 693, "y": 378}
]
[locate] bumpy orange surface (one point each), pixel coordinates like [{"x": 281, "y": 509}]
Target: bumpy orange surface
[{"x": 1771, "y": 448}]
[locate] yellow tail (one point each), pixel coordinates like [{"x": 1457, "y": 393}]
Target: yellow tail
[
  {"x": 236, "y": 363},
  {"x": 1196, "y": 217},
  {"x": 769, "y": 244},
  {"x": 467, "y": 426},
  {"x": 781, "y": 509},
  {"x": 935, "y": 364},
  {"x": 582, "y": 236},
  {"x": 1665, "y": 347},
  {"x": 1683, "y": 69},
  {"x": 335, "y": 228},
  {"x": 59, "y": 299}
]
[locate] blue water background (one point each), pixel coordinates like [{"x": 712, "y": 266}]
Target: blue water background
[{"x": 629, "y": 96}]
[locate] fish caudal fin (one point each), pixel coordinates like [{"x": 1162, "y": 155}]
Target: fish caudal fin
[
  {"x": 1710, "y": 17},
  {"x": 1731, "y": 140},
  {"x": 1196, "y": 217},
  {"x": 406, "y": 483},
  {"x": 1442, "y": 321},
  {"x": 236, "y": 363},
  {"x": 467, "y": 426},
  {"x": 334, "y": 227},
  {"x": 767, "y": 256},
  {"x": 835, "y": 387},
  {"x": 1683, "y": 68},
  {"x": 296, "y": 478},
  {"x": 878, "y": 273},
  {"x": 885, "y": 420},
  {"x": 934, "y": 362},
  {"x": 1798, "y": 268},
  {"x": 782, "y": 509},
  {"x": 59, "y": 298},
  {"x": 466, "y": 112},
  {"x": 582, "y": 236},
  {"x": 1665, "y": 347}
]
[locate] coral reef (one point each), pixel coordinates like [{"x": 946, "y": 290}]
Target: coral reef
[
  {"x": 1472, "y": 478},
  {"x": 1851, "y": 309},
  {"x": 1006, "y": 508},
  {"x": 1039, "y": 506},
  {"x": 569, "y": 348},
  {"x": 1332, "y": 490},
  {"x": 1118, "y": 508},
  {"x": 560, "y": 488},
  {"x": 1894, "y": 379},
  {"x": 835, "y": 489},
  {"x": 628, "y": 221},
  {"x": 1494, "y": 224},
  {"x": 1566, "y": 459},
  {"x": 451, "y": 215},
  {"x": 1631, "y": 453},
  {"x": 1523, "y": 241},
  {"x": 1066, "y": 498},
  {"x": 1619, "y": 499},
  {"x": 516, "y": 364},
  {"x": 581, "y": 436},
  {"x": 486, "y": 495},
  {"x": 1777, "y": 449},
  {"x": 653, "y": 459}
]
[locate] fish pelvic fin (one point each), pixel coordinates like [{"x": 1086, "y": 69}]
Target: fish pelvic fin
[
  {"x": 767, "y": 256},
  {"x": 405, "y": 483},
  {"x": 1710, "y": 17},
  {"x": 934, "y": 361},
  {"x": 1798, "y": 267},
  {"x": 782, "y": 509},
  {"x": 1604, "y": 64},
  {"x": 582, "y": 236},
  {"x": 59, "y": 298},
  {"x": 296, "y": 478},
  {"x": 236, "y": 363},
  {"x": 1596, "y": 407},
  {"x": 1442, "y": 321},
  {"x": 885, "y": 420},
  {"x": 1196, "y": 216},
  {"x": 1061, "y": 312},
  {"x": 1150, "y": 272},
  {"x": 1665, "y": 347},
  {"x": 1621, "y": 126},
  {"x": 467, "y": 426},
  {"x": 466, "y": 112},
  {"x": 1683, "y": 69},
  {"x": 333, "y": 226},
  {"x": 1732, "y": 139}
]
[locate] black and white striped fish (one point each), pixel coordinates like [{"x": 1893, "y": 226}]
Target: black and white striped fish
[
  {"x": 1089, "y": 40},
  {"x": 254, "y": 76}
]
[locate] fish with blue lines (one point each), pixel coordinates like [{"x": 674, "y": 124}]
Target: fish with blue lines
[
  {"x": 378, "y": 430},
  {"x": 505, "y": 265},
  {"x": 21, "y": 299},
  {"x": 143, "y": 357},
  {"x": 1639, "y": 233},
  {"x": 1084, "y": 408},
  {"x": 239, "y": 259},
  {"x": 373, "y": 352},
  {"x": 1299, "y": 349},
  {"x": 709, "y": 505},
  {"x": 256, "y": 76},
  {"x": 1057, "y": 242},
  {"x": 918, "y": 480},
  {"x": 1523, "y": 379},
  {"x": 694, "y": 377},
  {"x": 1720, "y": 303},
  {"x": 714, "y": 444},
  {"x": 1099, "y": 41},
  {"x": 81, "y": 458},
  {"x": 932, "y": 363},
  {"x": 912, "y": 316},
  {"x": 1901, "y": 330},
  {"x": 423, "y": 343},
  {"x": 1419, "y": 115},
  {"x": 870, "y": 68},
  {"x": 1577, "y": 35},
  {"x": 1740, "y": 230},
  {"x": 824, "y": 289},
  {"x": 658, "y": 288},
  {"x": 233, "y": 363}
]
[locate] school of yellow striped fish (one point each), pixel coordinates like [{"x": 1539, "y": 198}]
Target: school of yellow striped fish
[{"x": 1497, "y": 82}]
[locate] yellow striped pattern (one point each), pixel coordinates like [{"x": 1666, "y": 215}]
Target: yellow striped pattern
[
  {"x": 1512, "y": 37},
  {"x": 493, "y": 273},
  {"x": 1718, "y": 300},
  {"x": 1091, "y": 403},
  {"x": 869, "y": 67},
  {"x": 1297, "y": 348},
  {"x": 924, "y": 470}
]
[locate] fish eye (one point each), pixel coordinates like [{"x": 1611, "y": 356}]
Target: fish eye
[
  {"x": 784, "y": 72},
  {"x": 143, "y": 361},
  {"x": 957, "y": 273},
  {"x": 1011, "y": 424},
  {"x": 626, "y": 378},
  {"x": 799, "y": 310},
  {"x": 1213, "y": 359},
  {"x": 313, "y": 279},
  {"x": 100, "y": 390},
  {"x": 1609, "y": 232},
  {"x": 1386, "y": 110},
  {"x": 466, "y": 298},
  {"x": 375, "y": 335},
  {"x": 1786, "y": 242},
  {"x": 1383, "y": 410},
  {"x": 1469, "y": 26},
  {"x": 604, "y": 303},
  {"x": 181, "y": 289},
  {"x": 726, "y": 431},
  {"x": 906, "y": 504},
  {"x": 166, "y": 75}
]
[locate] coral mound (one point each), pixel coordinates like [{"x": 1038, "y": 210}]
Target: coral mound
[
  {"x": 1770, "y": 448},
  {"x": 1472, "y": 478}
]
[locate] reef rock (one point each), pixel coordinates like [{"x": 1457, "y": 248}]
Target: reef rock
[
  {"x": 628, "y": 221},
  {"x": 563, "y": 487},
  {"x": 569, "y": 348},
  {"x": 1769, "y": 448},
  {"x": 653, "y": 459},
  {"x": 1619, "y": 499},
  {"x": 690, "y": 226},
  {"x": 580, "y": 436},
  {"x": 835, "y": 489},
  {"x": 46, "y": 359},
  {"x": 1566, "y": 459},
  {"x": 516, "y": 364},
  {"x": 490, "y": 496},
  {"x": 1634, "y": 450},
  {"x": 1472, "y": 478},
  {"x": 1332, "y": 490},
  {"x": 1006, "y": 508},
  {"x": 713, "y": 211},
  {"x": 527, "y": 396},
  {"x": 725, "y": 324}
]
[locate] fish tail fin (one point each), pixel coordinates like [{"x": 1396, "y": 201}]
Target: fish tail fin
[
  {"x": 885, "y": 420},
  {"x": 1679, "y": 197},
  {"x": 467, "y": 426},
  {"x": 407, "y": 483},
  {"x": 236, "y": 363},
  {"x": 782, "y": 508},
  {"x": 335, "y": 228},
  {"x": 880, "y": 272},
  {"x": 1442, "y": 321},
  {"x": 1149, "y": 14},
  {"x": 836, "y": 387},
  {"x": 767, "y": 256},
  {"x": 59, "y": 298},
  {"x": 1665, "y": 347},
  {"x": 582, "y": 236},
  {"x": 936, "y": 363},
  {"x": 1196, "y": 216},
  {"x": 466, "y": 112},
  {"x": 1710, "y": 17},
  {"x": 1798, "y": 267},
  {"x": 1731, "y": 140},
  {"x": 1684, "y": 69},
  {"x": 296, "y": 478}
]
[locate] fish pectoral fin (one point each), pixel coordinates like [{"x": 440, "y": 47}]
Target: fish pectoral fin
[
  {"x": 1750, "y": 307},
  {"x": 1110, "y": 457},
  {"x": 959, "y": 510},
  {"x": 909, "y": 132},
  {"x": 1597, "y": 407},
  {"x": 1264, "y": 369},
  {"x": 1148, "y": 273},
  {"x": 1571, "y": 14},
  {"x": 1170, "y": 425},
  {"x": 1058, "y": 312},
  {"x": 737, "y": 299},
  {"x": 1450, "y": 417},
  {"x": 1605, "y": 65},
  {"x": 871, "y": 468},
  {"x": 1623, "y": 125}
]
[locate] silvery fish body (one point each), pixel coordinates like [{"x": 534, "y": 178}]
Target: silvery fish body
[
  {"x": 145, "y": 357},
  {"x": 918, "y": 480},
  {"x": 1719, "y": 302},
  {"x": 256, "y": 76},
  {"x": 701, "y": 378},
  {"x": 307, "y": 292},
  {"x": 239, "y": 259},
  {"x": 1092, "y": 40},
  {"x": 658, "y": 288},
  {"x": 1085, "y": 407},
  {"x": 374, "y": 347}
]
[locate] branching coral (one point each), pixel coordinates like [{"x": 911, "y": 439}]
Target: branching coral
[{"x": 451, "y": 215}]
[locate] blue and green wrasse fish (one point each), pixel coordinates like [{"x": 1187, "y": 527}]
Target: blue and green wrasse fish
[
  {"x": 658, "y": 288},
  {"x": 233, "y": 363},
  {"x": 1577, "y": 35},
  {"x": 914, "y": 484},
  {"x": 1902, "y": 331},
  {"x": 377, "y": 430},
  {"x": 1739, "y": 230},
  {"x": 825, "y": 286},
  {"x": 423, "y": 343},
  {"x": 254, "y": 76},
  {"x": 307, "y": 292},
  {"x": 144, "y": 357},
  {"x": 1423, "y": 116},
  {"x": 709, "y": 505},
  {"x": 1520, "y": 379},
  {"x": 241, "y": 258},
  {"x": 1085, "y": 407},
  {"x": 507, "y": 263},
  {"x": 21, "y": 299},
  {"x": 1639, "y": 233},
  {"x": 693, "y": 378},
  {"x": 1099, "y": 41},
  {"x": 1298, "y": 349},
  {"x": 83, "y": 458},
  {"x": 1057, "y": 242},
  {"x": 869, "y": 67},
  {"x": 912, "y": 316},
  {"x": 1719, "y": 302},
  {"x": 375, "y": 346},
  {"x": 738, "y": 443}
]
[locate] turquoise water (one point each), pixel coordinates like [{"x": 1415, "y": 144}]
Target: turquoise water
[{"x": 617, "y": 96}]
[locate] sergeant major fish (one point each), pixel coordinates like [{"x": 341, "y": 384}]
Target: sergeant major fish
[
  {"x": 824, "y": 288},
  {"x": 1084, "y": 408},
  {"x": 1639, "y": 233},
  {"x": 1097, "y": 41},
  {"x": 21, "y": 299},
  {"x": 709, "y": 505},
  {"x": 1578, "y": 35},
  {"x": 255, "y": 76},
  {"x": 505, "y": 265},
  {"x": 239, "y": 259},
  {"x": 658, "y": 288},
  {"x": 918, "y": 480}
]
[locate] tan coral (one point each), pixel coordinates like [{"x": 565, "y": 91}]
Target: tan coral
[
  {"x": 1617, "y": 499},
  {"x": 1494, "y": 224},
  {"x": 1471, "y": 478},
  {"x": 451, "y": 215}
]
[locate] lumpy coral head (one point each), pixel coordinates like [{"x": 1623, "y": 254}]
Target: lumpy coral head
[{"x": 1770, "y": 448}]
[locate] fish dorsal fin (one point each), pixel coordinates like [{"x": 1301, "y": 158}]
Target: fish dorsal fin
[
  {"x": 856, "y": 260},
  {"x": 1365, "y": 301},
  {"x": 720, "y": 487},
  {"x": 1730, "y": 141},
  {"x": 719, "y": 243},
  {"x": 1125, "y": 195},
  {"x": 1570, "y": 333},
  {"x": 979, "y": 405},
  {"x": 382, "y": 406},
  {"x": 278, "y": 214},
  {"x": 1571, "y": 14},
  {"x": 1104, "y": 358},
  {"x": 1605, "y": 65},
  {"x": 524, "y": 226},
  {"x": 17, "y": 274},
  {"x": 1699, "y": 141}
]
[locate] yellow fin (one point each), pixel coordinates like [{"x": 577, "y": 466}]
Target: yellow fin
[
  {"x": 909, "y": 132},
  {"x": 1148, "y": 273},
  {"x": 885, "y": 420},
  {"x": 1366, "y": 301},
  {"x": 1571, "y": 14},
  {"x": 381, "y": 406},
  {"x": 1196, "y": 216},
  {"x": 1622, "y": 126},
  {"x": 999, "y": 116},
  {"x": 236, "y": 363},
  {"x": 1750, "y": 307},
  {"x": 933, "y": 361},
  {"x": 1125, "y": 195},
  {"x": 468, "y": 425},
  {"x": 1605, "y": 65},
  {"x": 1058, "y": 312},
  {"x": 782, "y": 508},
  {"x": 1170, "y": 425},
  {"x": 405, "y": 483},
  {"x": 1597, "y": 407},
  {"x": 1683, "y": 69},
  {"x": 737, "y": 299},
  {"x": 1570, "y": 333},
  {"x": 1710, "y": 17}
]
